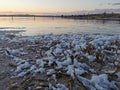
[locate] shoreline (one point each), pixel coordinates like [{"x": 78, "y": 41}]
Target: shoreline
[
  {"x": 100, "y": 16},
  {"x": 65, "y": 61}
]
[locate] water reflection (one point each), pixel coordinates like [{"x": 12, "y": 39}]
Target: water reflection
[
  {"x": 36, "y": 26},
  {"x": 119, "y": 21}
]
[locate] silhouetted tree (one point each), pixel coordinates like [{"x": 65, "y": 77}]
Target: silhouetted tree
[{"x": 104, "y": 14}]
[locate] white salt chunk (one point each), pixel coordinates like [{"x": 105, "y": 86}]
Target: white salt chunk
[{"x": 50, "y": 71}]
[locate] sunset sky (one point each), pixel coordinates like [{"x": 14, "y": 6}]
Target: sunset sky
[{"x": 53, "y": 6}]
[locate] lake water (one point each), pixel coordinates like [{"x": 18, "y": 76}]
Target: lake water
[{"x": 44, "y": 25}]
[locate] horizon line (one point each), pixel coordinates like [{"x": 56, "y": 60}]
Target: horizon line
[
  {"x": 60, "y": 12},
  {"x": 44, "y": 15}
]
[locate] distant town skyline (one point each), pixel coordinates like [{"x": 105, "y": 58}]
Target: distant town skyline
[{"x": 56, "y": 6}]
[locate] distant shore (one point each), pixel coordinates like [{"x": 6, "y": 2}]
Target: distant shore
[{"x": 102, "y": 16}]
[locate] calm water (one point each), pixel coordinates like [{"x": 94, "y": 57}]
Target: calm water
[{"x": 39, "y": 26}]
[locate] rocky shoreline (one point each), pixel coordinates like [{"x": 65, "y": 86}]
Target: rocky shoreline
[{"x": 59, "y": 62}]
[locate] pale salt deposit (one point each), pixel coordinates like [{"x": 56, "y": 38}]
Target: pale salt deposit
[{"x": 87, "y": 57}]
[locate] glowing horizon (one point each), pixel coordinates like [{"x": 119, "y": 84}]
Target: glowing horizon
[{"x": 54, "y": 6}]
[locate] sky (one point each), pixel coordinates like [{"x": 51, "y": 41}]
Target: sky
[{"x": 54, "y": 6}]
